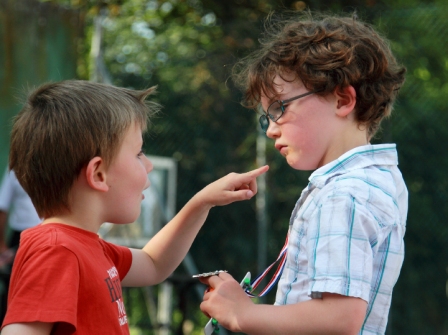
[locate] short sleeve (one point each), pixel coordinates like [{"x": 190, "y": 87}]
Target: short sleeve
[
  {"x": 340, "y": 245},
  {"x": 42, "y": 290},
  {"x": 120, "y": 256}
]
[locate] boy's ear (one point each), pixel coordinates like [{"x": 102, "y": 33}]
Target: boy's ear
[
  {"x": 346, "y": 100},
  {"x": 96, "y": 174}
]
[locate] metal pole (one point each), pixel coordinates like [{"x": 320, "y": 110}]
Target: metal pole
[
  {"x": 261, "y": 210},
  {"x": 164, "y": 314},
  {"x": 99, "y": 72}
]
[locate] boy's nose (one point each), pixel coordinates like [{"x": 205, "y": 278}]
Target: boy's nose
[
  {"x": 273, "y": 130},
  {"x": 148, "y": 164}
]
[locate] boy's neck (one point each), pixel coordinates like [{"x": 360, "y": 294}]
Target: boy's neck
[
  {"x": 348, "y": 140},
  {"x": 69, "y": 221},
  {"x": 86, "y": 207}
]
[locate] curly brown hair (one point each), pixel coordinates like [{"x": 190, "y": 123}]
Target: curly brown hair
[{"x": 325, "y": 52}]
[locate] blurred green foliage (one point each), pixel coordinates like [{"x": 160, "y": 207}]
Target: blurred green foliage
[{"x": 38, "y": 43}]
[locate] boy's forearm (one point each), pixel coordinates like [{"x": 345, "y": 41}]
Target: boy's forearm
[
  {"x": 170, "y": 245},
  {"x": 165, "y": 251},
  {"x": 334, "y": 314},
  {"x": 342, "y": 315}
]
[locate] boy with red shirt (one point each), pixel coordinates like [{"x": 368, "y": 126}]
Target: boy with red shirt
[{"x": 76, "y": 148}]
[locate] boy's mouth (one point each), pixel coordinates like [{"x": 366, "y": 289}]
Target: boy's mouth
[{"x": 280, "y": 148}]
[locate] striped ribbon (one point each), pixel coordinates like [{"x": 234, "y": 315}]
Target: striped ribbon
[{"x": 282, "y": 258}]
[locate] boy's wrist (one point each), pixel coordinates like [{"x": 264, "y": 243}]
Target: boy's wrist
[
  {"x": 244, "y": 317},
  {"x": 201, "y": 201}
]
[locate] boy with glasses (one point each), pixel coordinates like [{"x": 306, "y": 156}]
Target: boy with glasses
[
  {"x": 76, "y": 148},
  {"x": 325, "y": 83}
]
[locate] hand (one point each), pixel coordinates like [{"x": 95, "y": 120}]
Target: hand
[
  {"x": 225, "y": 301},
  {"x": 231, "y": 188}
]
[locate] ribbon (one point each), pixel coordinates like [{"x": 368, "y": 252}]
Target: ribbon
[{"x": 282, "y": 258}]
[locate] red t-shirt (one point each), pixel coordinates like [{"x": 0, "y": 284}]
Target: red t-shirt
[{"x": 70, "y": 277}]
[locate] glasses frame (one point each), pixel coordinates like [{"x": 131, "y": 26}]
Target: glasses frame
[{"x": 264, "y": 118}]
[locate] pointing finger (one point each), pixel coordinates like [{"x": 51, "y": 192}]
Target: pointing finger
[
  {"x": 257, "y": 172},
  {"x": 250, "y": 178}
]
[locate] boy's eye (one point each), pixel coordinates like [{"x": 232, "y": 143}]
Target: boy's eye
[{"x": 141, "y": 153}]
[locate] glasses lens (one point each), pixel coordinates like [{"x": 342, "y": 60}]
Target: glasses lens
[
  {"x": 275, "y": 110},
  {"x": 264, "y": 122}
]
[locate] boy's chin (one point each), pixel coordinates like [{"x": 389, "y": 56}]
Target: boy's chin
[
  {"x": 125, "y": 221},
  {"x": 301, "y": 166}
]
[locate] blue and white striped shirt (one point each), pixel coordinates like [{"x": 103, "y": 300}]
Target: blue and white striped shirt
[{"x": 346, "y": 233}]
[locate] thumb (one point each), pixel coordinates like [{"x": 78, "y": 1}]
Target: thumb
[{"x": 244, "y": 194}]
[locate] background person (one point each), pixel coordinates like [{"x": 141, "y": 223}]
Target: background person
[{"x": 17, "y": 209}]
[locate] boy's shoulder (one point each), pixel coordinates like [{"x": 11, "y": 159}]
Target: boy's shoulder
[
  {"x": 56, "y": 234},
  {"x": 369, "y": 165},
  {"x": 367, "y": 177}
]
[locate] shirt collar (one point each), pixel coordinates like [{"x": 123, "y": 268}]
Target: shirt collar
[{"x": 357, "y": 158}]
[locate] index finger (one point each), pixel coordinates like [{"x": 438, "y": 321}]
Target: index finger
[
  {"x": 204, "y": 280},
  {"x": 256, "y": 172},
  {"x": 250, "y": 178}
]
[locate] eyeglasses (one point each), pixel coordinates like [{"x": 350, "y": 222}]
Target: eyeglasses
[{"x": 277, "y": 108}]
